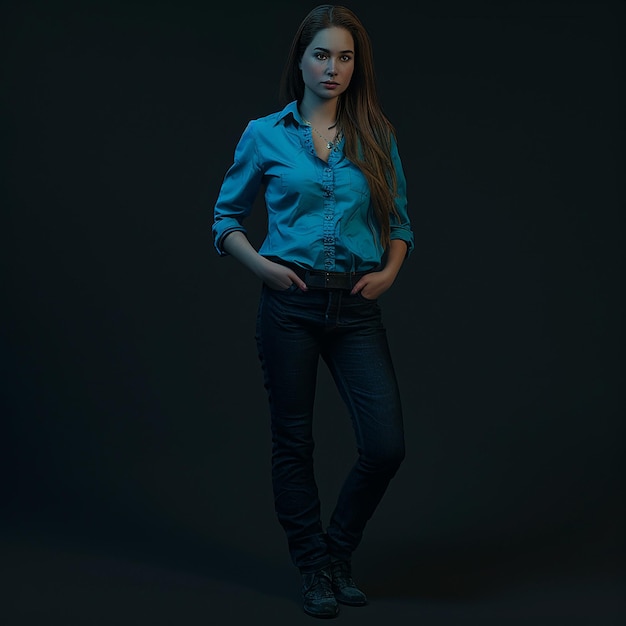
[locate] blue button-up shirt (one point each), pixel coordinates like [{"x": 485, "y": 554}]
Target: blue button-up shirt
[{"x": 319, "y": 214}]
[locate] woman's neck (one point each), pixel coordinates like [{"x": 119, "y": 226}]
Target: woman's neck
[{"x": 321, "y": 113}]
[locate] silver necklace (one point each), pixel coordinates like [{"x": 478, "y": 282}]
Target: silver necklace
[{"x": 329, "y": 144}]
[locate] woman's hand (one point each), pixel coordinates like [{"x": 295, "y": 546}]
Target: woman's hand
[
  {"x": 373, "y": 285},
  {"x": 274, "y": 275},
  {"x": 277, "y": 276}
]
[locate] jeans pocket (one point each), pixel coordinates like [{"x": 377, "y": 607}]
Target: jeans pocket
[
  {"x": 292, "y": 288},
  {"x": 361, "y": 297}
]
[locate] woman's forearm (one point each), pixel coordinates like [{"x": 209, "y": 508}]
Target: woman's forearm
[
  {"x": 395, "y": 257},
  {"x": 273, "y": 274},
  {"x": 238, "y": 245}
]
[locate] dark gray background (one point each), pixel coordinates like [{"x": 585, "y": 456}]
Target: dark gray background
[{"x": 135, "y": 437}]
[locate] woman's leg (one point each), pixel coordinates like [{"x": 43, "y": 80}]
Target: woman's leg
[
  {"x": 288, "y": 347},
  {"x": 358, "y": 356}
]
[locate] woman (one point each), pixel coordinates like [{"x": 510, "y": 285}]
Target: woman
[{"x": 338, "y": 233}]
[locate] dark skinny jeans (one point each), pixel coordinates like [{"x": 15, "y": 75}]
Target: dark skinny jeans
[{"x": 295, "y": 329}]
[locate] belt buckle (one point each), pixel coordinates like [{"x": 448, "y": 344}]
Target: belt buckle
[{"x": 337, "y": 281}]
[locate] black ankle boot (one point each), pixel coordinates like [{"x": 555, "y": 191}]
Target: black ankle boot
[
  {"x": 344, "y": 587},
  {"x": 317, "y": 594}
]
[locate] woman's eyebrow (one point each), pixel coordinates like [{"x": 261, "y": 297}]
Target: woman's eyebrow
[{"x": 328, "y": 51}]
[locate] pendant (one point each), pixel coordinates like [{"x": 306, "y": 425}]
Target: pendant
[{"x": 329, "y": 145}]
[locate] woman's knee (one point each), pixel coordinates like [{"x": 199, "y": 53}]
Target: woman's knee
[{"x": 385, "y": 458}]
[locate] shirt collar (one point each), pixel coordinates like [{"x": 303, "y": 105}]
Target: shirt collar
[{"x": 291, "y": 110}]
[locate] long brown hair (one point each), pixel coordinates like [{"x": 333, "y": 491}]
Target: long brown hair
[{"x": 367, "y": 131}]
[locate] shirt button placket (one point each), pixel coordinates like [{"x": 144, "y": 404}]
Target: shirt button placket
[{"x": 328, "y": 184}]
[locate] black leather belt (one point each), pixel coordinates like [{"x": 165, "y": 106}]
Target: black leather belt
[{"x": 318, "y": 279}]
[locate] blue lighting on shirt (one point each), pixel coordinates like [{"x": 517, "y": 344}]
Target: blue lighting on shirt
[{"x": 318, "y": 214}]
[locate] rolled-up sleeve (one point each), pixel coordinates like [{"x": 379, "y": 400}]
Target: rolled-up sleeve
[
  {"x": 239, "y": 189},
  {"x": 400, "y": 224}
]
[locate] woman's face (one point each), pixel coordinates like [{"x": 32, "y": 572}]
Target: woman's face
[{"x": 328, "y": 63}]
